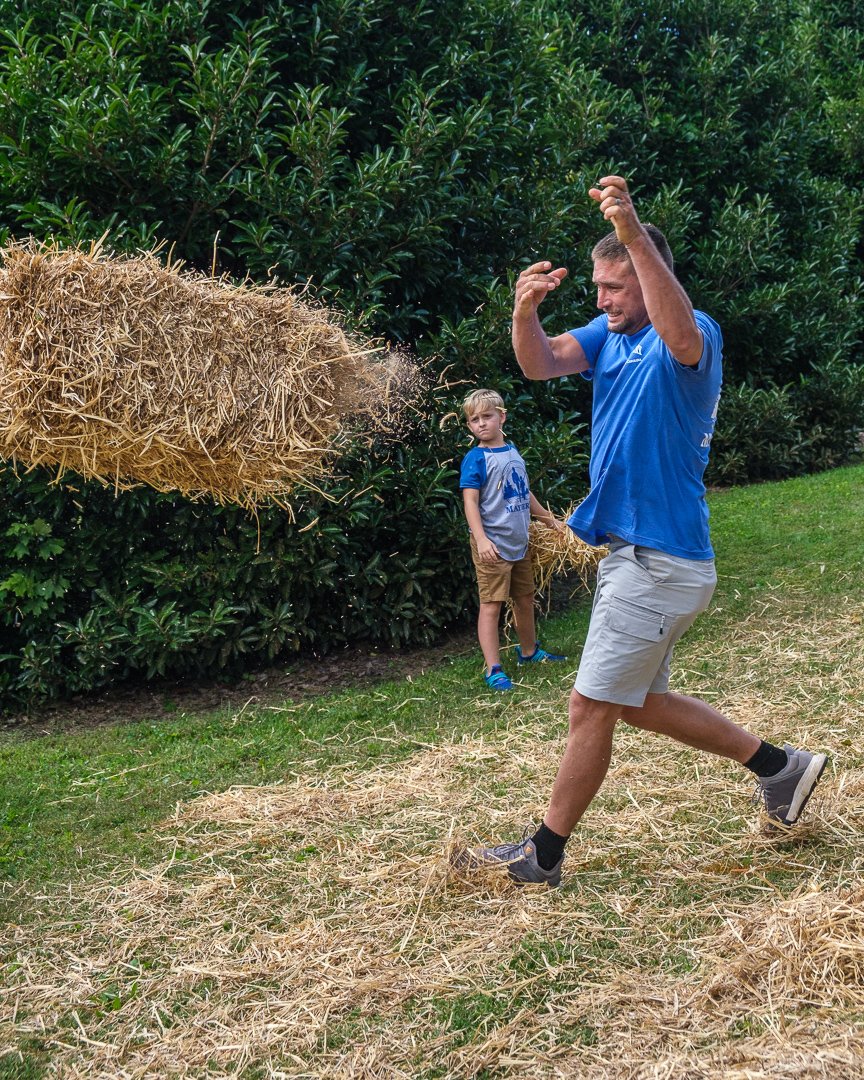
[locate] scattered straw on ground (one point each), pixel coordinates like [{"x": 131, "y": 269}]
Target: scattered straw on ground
[
  {"x": 126, "y": 370},
  {"x": 315, "y": 928}
]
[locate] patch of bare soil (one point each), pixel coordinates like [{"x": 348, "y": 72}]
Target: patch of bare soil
[{"x": 299, "y": 678}]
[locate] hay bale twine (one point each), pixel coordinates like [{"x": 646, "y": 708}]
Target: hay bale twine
[{"x": 125, "y": 370}]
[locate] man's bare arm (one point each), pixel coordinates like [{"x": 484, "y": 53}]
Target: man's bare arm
[
  {"x": 540, "y": 356},
  {"x": 668, "y": 305}
]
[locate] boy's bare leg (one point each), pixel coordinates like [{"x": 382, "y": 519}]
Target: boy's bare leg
[
  {"x": 526, "y": 630},
  {"x": 487, "y": 633},
  {"x": 693, "y": 722}
]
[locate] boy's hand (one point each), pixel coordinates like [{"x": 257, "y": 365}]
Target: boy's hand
[
  {"x": 487, "y": 550},
  {"x": 545, "y": 517}
]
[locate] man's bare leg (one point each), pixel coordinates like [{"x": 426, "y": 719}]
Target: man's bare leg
[
  {"x": 589, "y": 745},
  {"x": 585, "y": 763},
  {"x": 693, "y": 722}
]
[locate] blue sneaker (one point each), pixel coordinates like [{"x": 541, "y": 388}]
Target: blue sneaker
[
  {"x": 539, "y": 656},
  {"x": 497, "y": 679}
]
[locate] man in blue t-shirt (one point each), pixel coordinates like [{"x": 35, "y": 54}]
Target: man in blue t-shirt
[{"x": 656, "y": 369}]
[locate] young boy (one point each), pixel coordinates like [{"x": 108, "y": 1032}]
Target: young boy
[{"x": 499, "y": 506}]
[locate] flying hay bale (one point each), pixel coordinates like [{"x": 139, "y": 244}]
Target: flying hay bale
[
  {"x": 125, "y": 371},
  {"x": 555, "y": 552}
]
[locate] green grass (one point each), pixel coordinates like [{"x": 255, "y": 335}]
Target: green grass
[
  {"x": 315, "y": 925},
  {"x": 440, "y": 981},
  {"x": 72, "y": 805},
  {"x": 790, "y": 531}
]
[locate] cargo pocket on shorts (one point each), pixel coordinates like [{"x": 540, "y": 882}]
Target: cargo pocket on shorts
[{"x": 636, "y": 620}]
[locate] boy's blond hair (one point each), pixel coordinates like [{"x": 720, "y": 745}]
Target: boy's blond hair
[{"x": 479, "y": 399}]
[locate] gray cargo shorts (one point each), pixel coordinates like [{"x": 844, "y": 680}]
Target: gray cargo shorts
[{"x": 644, "y": 602}]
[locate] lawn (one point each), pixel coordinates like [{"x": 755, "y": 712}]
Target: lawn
[{"x": 266, "y": 892}]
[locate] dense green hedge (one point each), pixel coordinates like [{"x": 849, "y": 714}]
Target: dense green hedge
[
  {"x": 408, "y": 159},
  {"x": 771, "y": 432}
]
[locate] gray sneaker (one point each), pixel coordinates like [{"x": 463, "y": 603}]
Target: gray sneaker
[
  {"x": 520, "y": 860},
  {"x": 785, "y": 795}
]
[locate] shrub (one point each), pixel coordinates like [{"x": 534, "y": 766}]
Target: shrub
[
  {"x": 408, "y": 160},
  {"x": 768, "y": 433},
  {"x": 99, "y": 589}
]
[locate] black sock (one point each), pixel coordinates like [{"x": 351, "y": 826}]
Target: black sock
[
  {"x": 549, "y": 845},
  {"x": 768, "y": 760}
]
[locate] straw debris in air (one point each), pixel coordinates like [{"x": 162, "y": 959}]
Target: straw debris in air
[{"x": 125, "y": 370}]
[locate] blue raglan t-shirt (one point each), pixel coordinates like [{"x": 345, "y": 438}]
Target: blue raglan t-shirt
[
  {"x": 499, "y": 474},
  {"x": 652, "y": 422}
]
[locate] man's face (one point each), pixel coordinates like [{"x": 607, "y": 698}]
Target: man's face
[{"x": 619, "y": 296}]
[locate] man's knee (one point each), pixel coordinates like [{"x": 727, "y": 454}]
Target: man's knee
[
  {"x": 585, "y": 712},
  {"x": 643, "y": 715}
]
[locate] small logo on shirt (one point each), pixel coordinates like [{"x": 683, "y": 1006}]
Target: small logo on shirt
[
  {"x": 706, "y": 440},
  {"x": 635, "y": 356},
  {"x": 516, "y": 492}
]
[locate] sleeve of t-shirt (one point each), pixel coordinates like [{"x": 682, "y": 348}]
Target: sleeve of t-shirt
[
  {"x": 473, "y": 471},
  {"x": 712, "y": 346},
  {"x": 592, "y": 338}
]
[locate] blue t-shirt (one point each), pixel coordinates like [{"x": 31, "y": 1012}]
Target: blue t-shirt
[
  {"x": 499, "y": 474},
  {"x": 652, "y": 422}
]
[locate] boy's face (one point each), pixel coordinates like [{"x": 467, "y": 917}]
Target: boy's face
[{"x": 486, "y": 424}]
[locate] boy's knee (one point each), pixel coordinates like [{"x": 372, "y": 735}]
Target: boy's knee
[{"x": 490, "y": 606}]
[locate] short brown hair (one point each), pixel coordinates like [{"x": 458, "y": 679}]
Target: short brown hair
[
  {"x": 611, "y": 248},
  {"x": 477, "y": 399}
]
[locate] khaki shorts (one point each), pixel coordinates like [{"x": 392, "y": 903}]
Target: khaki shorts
[
  {"x": 502, "y": 579},
  {"x": 645, "y": 600}
]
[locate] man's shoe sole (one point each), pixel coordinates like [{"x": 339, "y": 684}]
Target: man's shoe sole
[
  {"x": 553, "y": 883},
  {"x": 806, "y": 787}
]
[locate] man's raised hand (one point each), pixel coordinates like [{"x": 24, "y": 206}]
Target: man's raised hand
[
  {"x": 617, "y": 207},
  {"x": 534, "y": 285}
]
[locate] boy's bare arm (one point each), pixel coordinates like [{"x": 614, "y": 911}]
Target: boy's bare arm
[
  {"x": 539, "y": 511},
  {"x": 485, "y": 548}
]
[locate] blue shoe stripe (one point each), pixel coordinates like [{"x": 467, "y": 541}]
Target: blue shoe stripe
[
  {"x": 498, "y": 679},
  {"x": 537, "y": 657}
]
